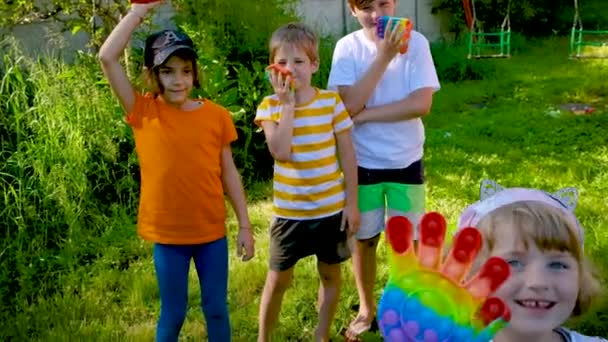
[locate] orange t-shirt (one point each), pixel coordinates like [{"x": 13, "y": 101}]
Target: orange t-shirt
[{"x": 182, "y": 197}]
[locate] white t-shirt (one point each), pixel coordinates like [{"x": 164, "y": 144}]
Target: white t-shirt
[
  {"x": 386, "y": 145},
  {"x": 572, "y": 336}
]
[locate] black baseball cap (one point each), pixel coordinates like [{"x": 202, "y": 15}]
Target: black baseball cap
[{"x": 161, "y": 45}]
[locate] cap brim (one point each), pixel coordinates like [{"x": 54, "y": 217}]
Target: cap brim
[{"x": 162, "y": 56}]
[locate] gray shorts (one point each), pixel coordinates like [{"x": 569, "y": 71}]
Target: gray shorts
[{"x": 292, "y": 240}]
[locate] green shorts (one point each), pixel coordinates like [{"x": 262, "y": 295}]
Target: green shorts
[{"x": 387, "y": 193}]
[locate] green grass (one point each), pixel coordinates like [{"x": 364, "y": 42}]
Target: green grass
[{"x": 507, "y": 127}]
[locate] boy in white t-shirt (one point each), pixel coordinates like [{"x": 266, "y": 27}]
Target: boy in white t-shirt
[{"x": 386, "y": 93}]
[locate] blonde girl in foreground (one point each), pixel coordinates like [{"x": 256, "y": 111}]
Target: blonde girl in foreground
[{"x": 538, "y": 234}]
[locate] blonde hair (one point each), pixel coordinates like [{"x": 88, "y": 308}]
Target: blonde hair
[
  {"x": 550, "y": 229},
  {"x": 298, "y": 35}
]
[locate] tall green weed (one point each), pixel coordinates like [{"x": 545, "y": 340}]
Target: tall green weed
[{"x": 67, "y": 174}]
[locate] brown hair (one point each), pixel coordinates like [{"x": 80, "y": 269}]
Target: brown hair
[
  {"x": 297, "y": 34},
  {"x": 550, "y": 229},
  {"x": 360, "y": 3},
  {"x": 152, "y": 79}
]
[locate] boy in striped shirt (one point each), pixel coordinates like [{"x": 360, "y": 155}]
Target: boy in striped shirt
[{"x": 315, "y": 208}]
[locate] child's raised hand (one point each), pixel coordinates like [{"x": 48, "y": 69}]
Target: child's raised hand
[
  {"x": 282, "y": 83},
  {"x": 142, "y": 7},
  {"x": 393, "y": 42},
  {"x": 245, "y": 244},
  {"x": 426, "y": 298}
]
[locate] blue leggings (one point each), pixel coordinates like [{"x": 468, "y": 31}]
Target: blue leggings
[{"x": 172, "y": 263}]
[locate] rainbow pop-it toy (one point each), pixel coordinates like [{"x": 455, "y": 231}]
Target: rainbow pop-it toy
[
  {"x": 406, "y": 27},
  {"x": 427, "y": 299},
  {"x": 283, "y": 71}
]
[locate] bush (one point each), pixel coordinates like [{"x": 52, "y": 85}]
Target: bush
[
  {"x": 452, "y": 64},
  {"x": 326, "y": 50}
]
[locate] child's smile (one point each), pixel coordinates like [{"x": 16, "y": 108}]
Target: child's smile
[{"x": 535, "y": 304}]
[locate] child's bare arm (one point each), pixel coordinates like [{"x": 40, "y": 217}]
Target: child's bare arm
[
  {"x": 416, "y": 105},
  {"x": 356, "y": 96},
  {"x": 234, "y": 187},
  {"x": 348, "y": 164},
  {"x": 112, "y": 48},
  {"x": 236, "y": 194},
  {"x": 280, "y": 135}
]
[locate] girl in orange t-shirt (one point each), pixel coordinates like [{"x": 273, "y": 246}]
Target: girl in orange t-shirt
[{"x": 183, "y": 147}]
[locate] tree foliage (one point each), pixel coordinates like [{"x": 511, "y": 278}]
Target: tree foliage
[
  {"x": 95, "y": 17},
  {"x": 530, "y": 17}
]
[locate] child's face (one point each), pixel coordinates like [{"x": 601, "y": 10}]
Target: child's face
[
  {"x": 368, "y": 14},
  {"x": 177, "y": 78},
  {"x": 297, "y": 61},
  {"x": 543, "y": 288}
]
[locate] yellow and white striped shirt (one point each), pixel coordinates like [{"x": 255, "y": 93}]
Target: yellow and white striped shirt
[{"x": 311, "y": 184}]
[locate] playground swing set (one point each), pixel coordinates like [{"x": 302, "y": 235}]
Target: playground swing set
[
  {"x": 580, "y": 38},
  {"x": 480, "y": 42},
  {"x": 497, "y": 44}
]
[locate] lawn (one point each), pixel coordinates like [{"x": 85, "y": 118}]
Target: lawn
[{"x": 507, "y": 127}]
